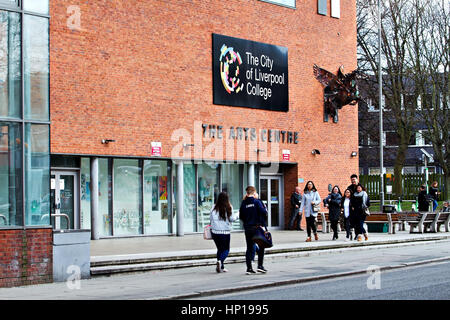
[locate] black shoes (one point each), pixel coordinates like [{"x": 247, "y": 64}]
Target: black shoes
[
  {"x": 250, "y": 271},
  {"x": 261, "y": 269}
]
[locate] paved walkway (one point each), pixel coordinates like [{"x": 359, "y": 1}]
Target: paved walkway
[
  {"x": 203, "y": 281},
  {"x": 172, "y": 245}
]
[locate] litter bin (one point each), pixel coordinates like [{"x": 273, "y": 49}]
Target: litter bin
[{"x": 389, "y": 208}]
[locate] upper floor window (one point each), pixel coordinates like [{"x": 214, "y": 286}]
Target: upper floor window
[
  {"x": 37, "y": 6},
  {"x": 10, "y": 3},
  {"x": 284, "y": 3}
]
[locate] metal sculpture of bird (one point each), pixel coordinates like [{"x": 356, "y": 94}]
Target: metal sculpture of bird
[{"x": 340, "y": 90}]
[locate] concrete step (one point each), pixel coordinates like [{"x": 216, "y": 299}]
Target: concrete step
[{"x": 108, "y": 265}]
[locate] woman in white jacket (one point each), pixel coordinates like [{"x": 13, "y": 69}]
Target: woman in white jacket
[
  {"x": 221, "y": 218},
  {"x": 310, "y": 199}
]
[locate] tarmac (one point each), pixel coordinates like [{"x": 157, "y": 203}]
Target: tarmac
[{"x": 161, "y": 267}]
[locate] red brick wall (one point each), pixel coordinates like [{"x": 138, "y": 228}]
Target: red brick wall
[
  {"x": 139, "y": 70},
  {"x": 26, "y": 257}
]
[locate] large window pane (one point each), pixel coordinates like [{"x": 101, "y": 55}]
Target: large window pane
[
  {"x": 37, "y": 174},
  {"x": 156, "y": 208},
  {"x": 208, "y": 190},
  {"x": 10, "y": 175},
  {"x": 10, "y": 3},
  {"x": 105, "y": 196},
  {"x": 10, "y": 67},
  {"x": 127, "y": 191},
  {"x": 85, "y": 194},
  {"x": 36, "y": 64},
  {"x": 38, "y": 6},
  {"x": 190, "y": 217},
  {"x": 232, "y": 181}
]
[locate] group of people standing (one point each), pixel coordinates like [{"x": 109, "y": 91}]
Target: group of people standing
[{"x": 351, "y": 205}]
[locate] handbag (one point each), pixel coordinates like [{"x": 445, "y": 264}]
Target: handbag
[
  {"x": 316, "y": 207},
  {"x": 207, "y": 232},
  {"x": 263, "y": 238}
]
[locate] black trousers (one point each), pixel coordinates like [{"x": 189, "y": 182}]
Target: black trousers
[
  {"x": 334, "y": 226},
  {"x": 295, "y": 215},
  {"x": 311, "y": 225},
  {"x": 348, "y": 227},
  {"x": 251, "y": 248}
]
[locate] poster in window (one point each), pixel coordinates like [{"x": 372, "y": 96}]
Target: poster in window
[{"x": 163, "y": 188}]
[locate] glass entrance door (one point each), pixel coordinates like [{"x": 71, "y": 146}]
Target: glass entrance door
[
  {"x": 64, "y": 200},
  {"x": 271, "y": 194}
]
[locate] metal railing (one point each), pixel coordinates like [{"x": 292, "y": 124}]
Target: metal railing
[
  {"x": 59, "y": 215},
  {"x": 3, "y": 217}
]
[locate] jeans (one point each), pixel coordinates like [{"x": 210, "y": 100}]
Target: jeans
[
  {"x": 251, "y": 247},
  {"x": 311, "y": 225},
  {"x": 359, "y": 225},
  {"x": 222, "y": 242},
  {"x": 348, "y": 227},
  {"x": 294, "y": 216},
  {"x": 435, "y": 204}
]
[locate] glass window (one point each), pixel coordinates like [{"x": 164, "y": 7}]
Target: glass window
[
  {"x": 105, "y": 196},
  {"x": 10, "y": 175},
  {"x": 36, "y": 66},
  {"x": 9, "y": 3},
  {"x": 37, "y": 174},
  {"x": 10, "y": 66},
  {"x": 38, "y": 6},
  {"x": 85, "y": 194},
  {"x": 190, "y": 218},
  {"x": 156, "y": 208},
  {"x": 127, "y": 195},
  {"x": 208, "y": 190},
  {"x": 232, "y": 184}
]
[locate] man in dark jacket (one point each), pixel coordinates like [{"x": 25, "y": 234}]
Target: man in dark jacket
[
  {"x": 423, "y": 199},
  {"x": 354, "y": 179},
  {"x": 253, "y": 214},
  {"x": 296, "y": 201}
]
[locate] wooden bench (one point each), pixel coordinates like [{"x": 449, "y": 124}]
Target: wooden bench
[
  {"x": 379, "y": 217},
  {"x": 414, "y": 219},
  {"x": 323, "y": 219},
  {"x": 395, "y": 220},
  {"x": 430, "y": 222},
  {"x": 444, "y": 219}
]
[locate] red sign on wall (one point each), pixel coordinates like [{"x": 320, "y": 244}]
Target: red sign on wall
[
  {"x": 156, "y": 149},
  {"x": 286, "y": 155}
]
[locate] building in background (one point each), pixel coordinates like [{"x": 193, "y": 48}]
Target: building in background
[{"x": 130, "y": 117}]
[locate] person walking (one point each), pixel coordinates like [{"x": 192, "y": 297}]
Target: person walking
[
  {"x": 333, "y": 203},
  {"x": 359, "y": 203},
  {"x": 347, "y": 209},
  {"x": 310, "y": 203},
  {"x": 254, "y": 215},
  {"x": 221, "y": 218},
  {"x": 422, "y": 199},
  {"x": 434, "y": 193},
  {"x": 296, "y": 201}
]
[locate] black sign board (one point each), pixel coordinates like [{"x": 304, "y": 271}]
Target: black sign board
[{"x": 250, "y": 74}]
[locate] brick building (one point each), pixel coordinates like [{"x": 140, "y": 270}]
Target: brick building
[{"x": 123, "y": 129}]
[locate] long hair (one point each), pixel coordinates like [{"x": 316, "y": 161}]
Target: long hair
[
  {"x": 339, "y": 190},
  {"x": 223, "y": 206},
  {"x": 313, "y": 187}
]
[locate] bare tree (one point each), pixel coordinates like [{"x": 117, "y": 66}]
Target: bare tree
[
  {"x": 396, "y": 29},
  {"x": 430, "y": 63}
]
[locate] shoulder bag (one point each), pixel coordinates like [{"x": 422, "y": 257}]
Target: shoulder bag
[
  {"x": 263, "y": 238},
  {"x": 207, "y": 232}
]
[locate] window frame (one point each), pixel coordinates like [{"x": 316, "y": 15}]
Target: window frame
[{"x": 8, "y": 7}]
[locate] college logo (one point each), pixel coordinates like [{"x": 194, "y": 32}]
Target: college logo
[{"x": 230, "y": 61}]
